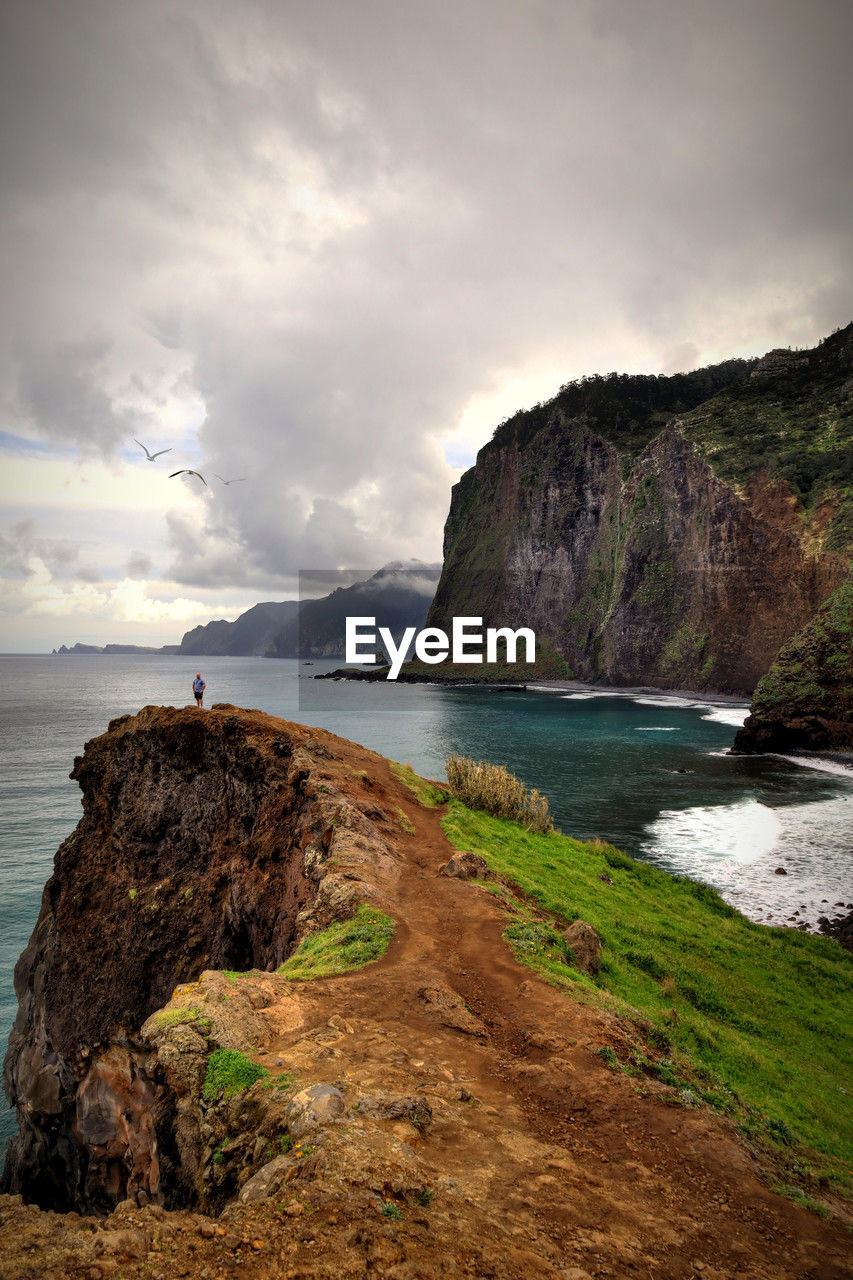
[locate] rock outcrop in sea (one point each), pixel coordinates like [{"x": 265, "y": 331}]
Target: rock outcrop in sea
[
  {"x": 664, "y": 531},
  {"x": 805, "y": 701}
]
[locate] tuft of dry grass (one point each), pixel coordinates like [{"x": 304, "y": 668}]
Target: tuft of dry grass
[{"x": 495, "y": 790}]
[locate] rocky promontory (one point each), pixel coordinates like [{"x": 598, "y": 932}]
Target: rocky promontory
[
  {"x": 205, "y": 843},
  {"x": 805, "y": 701}
]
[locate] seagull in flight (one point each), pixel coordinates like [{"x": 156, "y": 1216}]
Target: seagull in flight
[
  {"x": 150, "y": 456},
  {"x": 236, "y": 479},
  {"x": 186, "y": 471}
]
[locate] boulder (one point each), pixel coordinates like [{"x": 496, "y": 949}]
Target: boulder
[
  {"x": 267, "y": 1181},
  {"x": 466, "y": 866},
  {"x": 312, "y": 1107},
  {"x": 586, "y": 946}
]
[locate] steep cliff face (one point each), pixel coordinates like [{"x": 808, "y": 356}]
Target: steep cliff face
[
  {"x": 205, "y": 842},
  {"x": 662, "y": 531},
  {"x": 805, "y": 701}
]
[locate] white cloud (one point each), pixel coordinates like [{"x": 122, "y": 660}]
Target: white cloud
[{"x": 328, "y": 247}]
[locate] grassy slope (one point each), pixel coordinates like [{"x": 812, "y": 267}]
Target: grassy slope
[{"x": 761, "y": 1014}]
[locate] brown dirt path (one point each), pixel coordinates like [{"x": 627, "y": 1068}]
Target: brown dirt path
[{"x": 554, "y": 1147}]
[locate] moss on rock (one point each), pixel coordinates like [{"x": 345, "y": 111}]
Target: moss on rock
[{"x": 805, "y": 701}]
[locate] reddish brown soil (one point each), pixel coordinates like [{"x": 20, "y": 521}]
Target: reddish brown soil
[{"x": 543, "y": 1162}]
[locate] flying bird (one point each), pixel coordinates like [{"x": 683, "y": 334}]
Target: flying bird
[
  {"x": 150, "y": 456},
  {"x": 186, "y": 471},
  {"x": 236, "y": 479}
]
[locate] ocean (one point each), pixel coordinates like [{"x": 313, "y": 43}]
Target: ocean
[{"x": 648, "y": 773}]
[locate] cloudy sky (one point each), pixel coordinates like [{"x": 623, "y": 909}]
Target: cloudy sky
[{"x": 329, "y": 244}]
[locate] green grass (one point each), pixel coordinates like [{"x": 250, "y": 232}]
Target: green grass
[
  {"x": 230, "y": 1072},
  {"x": 348, "y": 944},
  {"x": 282, "y": 1081},
  {"x": 760, "y": 1016},
  {"x": 182, "y": 1015},
  {"x": 430, "y": 795},
  {"x": 406, "y": 824}
]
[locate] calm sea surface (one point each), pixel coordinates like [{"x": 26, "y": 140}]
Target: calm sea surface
[{"x": 649, "y": 774}]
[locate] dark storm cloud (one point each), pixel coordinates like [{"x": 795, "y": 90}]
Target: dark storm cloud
[{"x": 334, "y": 225}]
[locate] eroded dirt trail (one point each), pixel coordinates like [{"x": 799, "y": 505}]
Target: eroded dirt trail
[{"x": 538, "y": 1144}]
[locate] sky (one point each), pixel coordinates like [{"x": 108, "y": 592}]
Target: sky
[{"x": 328, "y": 246}]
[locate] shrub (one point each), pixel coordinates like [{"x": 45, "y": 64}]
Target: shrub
[{"x": 492, "y": 788}]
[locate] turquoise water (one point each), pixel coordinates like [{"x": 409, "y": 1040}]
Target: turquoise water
[{"x": 649, "y": 774}]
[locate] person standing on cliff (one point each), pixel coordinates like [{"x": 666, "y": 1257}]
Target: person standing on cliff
[{"x": 198, "y": 690}]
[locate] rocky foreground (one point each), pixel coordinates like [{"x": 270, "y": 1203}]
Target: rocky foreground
[{"x": 439, "y": 1112}]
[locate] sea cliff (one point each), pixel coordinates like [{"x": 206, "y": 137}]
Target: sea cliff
[
  {"x": 672, "y": 532},
  {"x": 204, "y": 844}
]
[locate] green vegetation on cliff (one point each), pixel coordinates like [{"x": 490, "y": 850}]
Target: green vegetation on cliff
[
  {"x": 625, "y": 408},
  {"x": 230, "y": 1072},
  {"x": 789, "y": 414},
  {"x": 751, "y": 1020},
  {"x": 813, "y": 673},
  {"x": 793, "y": 418},
  {"x": 806, "y": 698}
]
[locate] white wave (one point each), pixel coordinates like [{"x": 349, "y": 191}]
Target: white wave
[
  {"x": 596, "y": 693},
  {"x": 822, "y": 766},
  {"x": 656, "y": 728},
  {"x": 734, "y": 716},
  {"x": 694, "y": 838}
]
